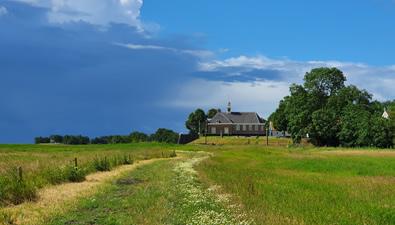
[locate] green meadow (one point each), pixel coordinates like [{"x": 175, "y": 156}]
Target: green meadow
[{"x": 224, "y": 182}]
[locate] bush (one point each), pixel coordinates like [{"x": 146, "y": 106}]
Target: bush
[
  {"x": 173, "y": 154},
  {"x": 75, "y": 174},
  {"x": 165, "y": 135},
  {"x": 15, "y": 189},
  {"x": 102, "y": 164},
  {"x": 127, "y": 160},
  {"x": 138, "y": 137},
  {"x": 54, "y": 175}
]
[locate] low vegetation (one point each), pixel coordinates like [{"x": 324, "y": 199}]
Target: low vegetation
[
  {"x": 230, "y": 181},
  {"x": 26, "y": 168},
  {"x": 144, "y": 196},
  {"x": 307, "y": 186}
]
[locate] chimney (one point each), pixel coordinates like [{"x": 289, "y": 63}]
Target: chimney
[{"x": 229, "y": 107}]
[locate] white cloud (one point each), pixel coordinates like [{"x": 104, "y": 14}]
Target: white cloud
[
  {"x": 263, "y": 95},
  {"x": 258, "y": 96},
  {"x": 3, "y": 10},
  {"x": 198, "y": 53},
  {"x": 97, "y": 12},
  {"x": 379, "y": 80}
]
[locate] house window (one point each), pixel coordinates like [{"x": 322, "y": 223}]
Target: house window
[
  {"x": 256, "y": 127},
  {"x": 244, "y": 127},
  {"x": 213, "y": 130},
  {"x": 250, "y": 127},
  {"x": 226, "y": 130},
  {"x": 238, "y": 127}
]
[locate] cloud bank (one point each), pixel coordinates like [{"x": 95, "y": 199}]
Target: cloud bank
[
  {"x": 97, "y": 12},
  {"x": 3, "y": 10},
  {"x": 81, "y": 79},
  {"x": 258, "y": 83}
]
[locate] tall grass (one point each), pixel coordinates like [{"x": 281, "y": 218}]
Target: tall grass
[
  {"x": 51, "y": 165},
  {"x": 313, "y": 186}
]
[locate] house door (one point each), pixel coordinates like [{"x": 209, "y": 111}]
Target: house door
[{"x": 226, "y": 130}]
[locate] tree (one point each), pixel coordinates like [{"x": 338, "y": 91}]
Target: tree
[
  {"x": 165, "y": 135},
  {"x": 100, "y": 140},
  {"x": 138, "y": 137},
  {"x": 196, "y": 122},
  {"x": 334, "y": 114},
  {"x": 324, "y": 127},
  {"x": 324, "y": 82},
  {"x": 279, "y": 117},
  {"x": 75, "y": 140},
  {"x": 382, "y": 132},
  {"x": 212, "y": 112},
  {"x": 299, "y": 110},
  {"x": 56, "y": 138},
  {"x": 41, "y": 140}
]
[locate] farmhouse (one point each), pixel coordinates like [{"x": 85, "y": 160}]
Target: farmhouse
[{"x": 236, "y": 124}]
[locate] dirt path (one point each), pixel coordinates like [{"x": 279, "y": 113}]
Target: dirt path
[
  {"x": 60, "y": 198},
  {"x": 209, "y": 204}
]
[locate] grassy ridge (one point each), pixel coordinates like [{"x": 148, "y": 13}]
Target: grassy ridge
[
  {"x": 282, "y": 186},
  {"x": 53, "y": 164}
]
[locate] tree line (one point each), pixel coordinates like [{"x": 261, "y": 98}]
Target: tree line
[
  {"x": 161, "y": 135},
  {"x": 331, "y": 113}
]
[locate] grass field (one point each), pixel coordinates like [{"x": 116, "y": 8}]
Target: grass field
[
  {"x": 314, "y": 186},
  {"x": 224, "y": 183},
  {"x": 42, "y": 165}
]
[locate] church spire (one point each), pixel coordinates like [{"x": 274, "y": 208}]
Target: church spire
[{"x": 229, "y": 107}]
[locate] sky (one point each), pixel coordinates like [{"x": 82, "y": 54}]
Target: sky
[{"x": 115, "y": 66}]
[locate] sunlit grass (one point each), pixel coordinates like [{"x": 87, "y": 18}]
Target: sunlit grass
[
  {"x": 286, "y": 186},
  {"x": 43, "y": 165}
]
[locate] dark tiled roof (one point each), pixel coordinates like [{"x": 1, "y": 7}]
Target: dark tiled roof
[{"x": 237, "y": 117}]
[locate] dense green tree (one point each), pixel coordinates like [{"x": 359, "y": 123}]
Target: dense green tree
[
  {"x": 324, "y": 127},
  {"x": 324, "y": 82},
  {"x": 138, "y": 137},
  {"x": 382, "y": 132},
  {"x": 100, "y": 140},
  {"x": 165, "y": 135},
  {"x": 212, "y": 112},
  {"x": 355, "y": 127},
  {"x": 56, "y": 138},
  {"x": 196, "y": 122},
  {"x": 279, "y": 117},
  {"x": 333, "y": 114},
  {"x": 299, "y": 112},
  {"x": 42, "y": 140},
  {"x": 75, "y": 140}
]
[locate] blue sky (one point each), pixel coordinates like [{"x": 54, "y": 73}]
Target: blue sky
[{"x": 113, "y": 66}]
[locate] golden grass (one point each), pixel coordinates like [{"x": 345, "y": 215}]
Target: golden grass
[{"x": 60, "y": 198}]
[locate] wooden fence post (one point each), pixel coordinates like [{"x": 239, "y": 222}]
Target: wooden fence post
[
  {"x": 76, "y": 162},
  {"x": 20, "y": 173},
  {"x": 267, "y": 137}
]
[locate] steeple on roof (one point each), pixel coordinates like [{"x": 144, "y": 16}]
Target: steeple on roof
[{"x": 385, "y": 114}]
